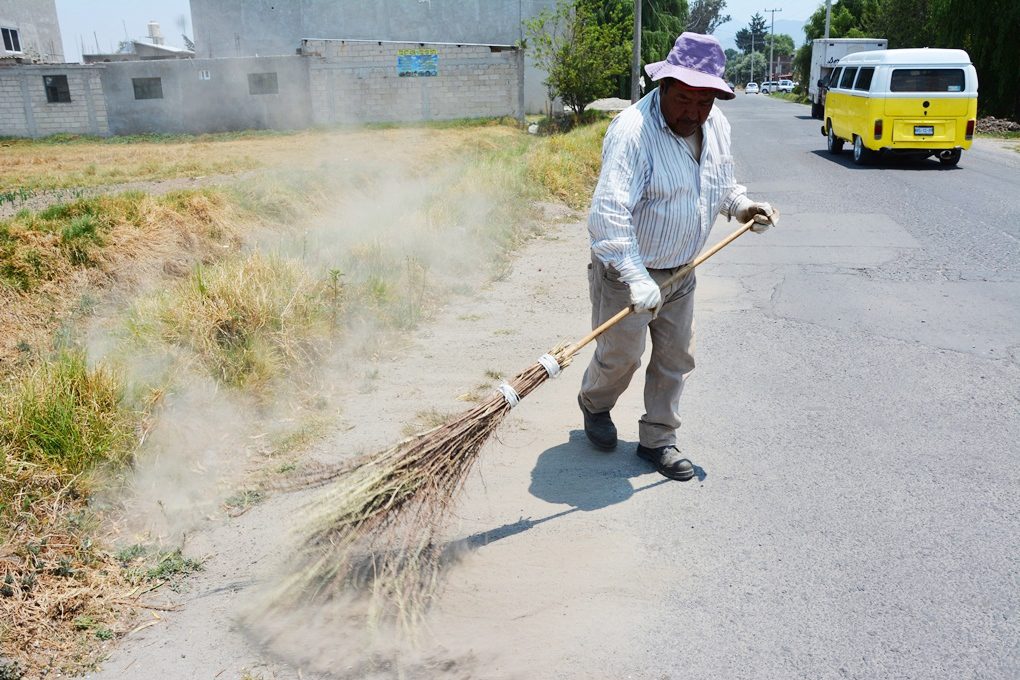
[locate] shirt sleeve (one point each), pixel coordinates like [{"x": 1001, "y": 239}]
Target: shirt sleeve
[{"x": 621, "y": 185}]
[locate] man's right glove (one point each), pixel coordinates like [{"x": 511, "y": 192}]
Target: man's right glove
[{"x": 644, "y": 293}]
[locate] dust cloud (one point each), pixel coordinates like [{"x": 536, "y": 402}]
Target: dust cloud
[{"x": 405, "y": 221}]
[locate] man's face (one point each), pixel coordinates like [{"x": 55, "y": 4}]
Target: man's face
[{"x": 684, "y": 108}]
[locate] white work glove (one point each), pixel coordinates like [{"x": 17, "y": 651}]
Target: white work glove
[
  {"x": 644, "y": 292},
  {"x": 763, "y": 214}
]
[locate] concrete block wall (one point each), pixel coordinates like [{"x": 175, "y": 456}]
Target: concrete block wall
[
  {"x": 23, "y": 88},
  {"x": 207, "y": 95},
  {"x": 357, "y": 81},
  {"x": 13, "y": 119}
]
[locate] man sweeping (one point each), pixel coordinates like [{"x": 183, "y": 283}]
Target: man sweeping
[{"x": 667, "y": 172}]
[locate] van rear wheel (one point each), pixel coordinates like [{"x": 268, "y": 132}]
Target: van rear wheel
[
  {"x": 834, "y": 143},
  {"x": 862, "y": 154}
]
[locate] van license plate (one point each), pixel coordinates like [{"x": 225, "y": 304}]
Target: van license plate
[{"x": 924, "y": 130}]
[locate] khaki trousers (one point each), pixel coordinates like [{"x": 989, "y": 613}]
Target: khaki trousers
[{"x": 618, "y": 351}]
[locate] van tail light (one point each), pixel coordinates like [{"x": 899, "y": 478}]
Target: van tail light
[
  {"x": 878, "y": 128},
  {"x": 970, "y": 129}
]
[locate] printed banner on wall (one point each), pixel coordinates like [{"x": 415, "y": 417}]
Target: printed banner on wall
[{"x": 417, "y": 63}]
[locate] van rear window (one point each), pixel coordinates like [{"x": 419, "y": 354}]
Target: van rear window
[{"x": 927, "y": 80}]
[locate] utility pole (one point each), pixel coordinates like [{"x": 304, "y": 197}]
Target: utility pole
[
  {"x": 752, "y": 56},
  {"x": 635, "y": 57},
  {"x": 828, "y": 16},
  {"x": 772, "y": 44}
]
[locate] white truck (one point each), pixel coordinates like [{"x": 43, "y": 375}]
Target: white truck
[{"x": 825, "y": 56}]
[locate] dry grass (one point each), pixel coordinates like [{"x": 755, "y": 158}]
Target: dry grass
[
  {"x": 43, "y": 165},
  {"x": 52, "y": 260},
  {"x": 57, "y": 426},
  {"x": 247, "y": 318}
]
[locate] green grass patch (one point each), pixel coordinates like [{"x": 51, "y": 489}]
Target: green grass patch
[
  {"x": 65, "y": 417},
  {"x": 791, "y": 97},
  {"x": 172, "y": 565}
]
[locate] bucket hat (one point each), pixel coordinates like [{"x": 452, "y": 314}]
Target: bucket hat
[{"x": 696, "y": 60}]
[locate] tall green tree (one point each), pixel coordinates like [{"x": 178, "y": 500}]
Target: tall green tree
[
  {"x": 783, "y": 45},
  {"x": 662, "y": 21},
  {"x": 753, "y": 36},
  {"x": 990, "y": 32},
  {"x": 848, "y": 19},
  {"x": 583, "y": 46},
  {"x": 906, "y": 23},
  {"x": 706, "y": 16}
]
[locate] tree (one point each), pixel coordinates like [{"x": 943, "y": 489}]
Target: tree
[
  {"x": 844, "y": 23},
  {"x": 988, "y": 30},
  {"x": 905, "y": 23},
  {"x": 738, "y": 69},
  {"x": 662, "y": 22},
  {"x": 706, "y": 16},
  {"x": 783, "y": 47},
  {"x": 756, "y": 30},
  {"x": 583, "y": 46}
]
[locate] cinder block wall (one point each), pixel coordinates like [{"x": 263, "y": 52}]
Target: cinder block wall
[
  {"x": 207, "y": 95},
  {"x": 25, "y": 112},
  {"x": 355, "y": 81}
]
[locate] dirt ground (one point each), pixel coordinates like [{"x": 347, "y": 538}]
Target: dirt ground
[{"x": 508, "y": 595}]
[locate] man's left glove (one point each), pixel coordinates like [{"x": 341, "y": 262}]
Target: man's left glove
[{"x": 763, "y": 214}]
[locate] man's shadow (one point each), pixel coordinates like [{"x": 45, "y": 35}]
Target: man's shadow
[{"x": 575, "y": 474}]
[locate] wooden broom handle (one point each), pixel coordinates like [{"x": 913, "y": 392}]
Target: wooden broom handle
[{"x": 680, "y": 273}]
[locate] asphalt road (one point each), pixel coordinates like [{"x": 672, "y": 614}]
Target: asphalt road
[{"x": 857, "y": 412}]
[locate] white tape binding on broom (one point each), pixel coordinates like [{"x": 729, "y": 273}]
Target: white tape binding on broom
[
  {"x": 549, "y": 363},
  {"x": 510, "y": 394}
]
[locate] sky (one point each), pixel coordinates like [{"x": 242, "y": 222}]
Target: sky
[
  {"x": 742, "y": 10},
  {"x": 105, "y": 21}
]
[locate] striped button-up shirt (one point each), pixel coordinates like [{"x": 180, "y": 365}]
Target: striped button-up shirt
[{"x": 655, "y": 204}]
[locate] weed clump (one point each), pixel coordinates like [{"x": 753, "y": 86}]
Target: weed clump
[
  {"x": 59, "y": 424},
  {"x": 246, "y": 320}
]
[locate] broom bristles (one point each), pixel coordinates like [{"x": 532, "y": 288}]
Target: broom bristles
[{"x": 377, "y": 527}]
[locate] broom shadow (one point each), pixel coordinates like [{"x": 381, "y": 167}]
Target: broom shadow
[
  {"x": 574, "y": 474},
  {"x": 571, "y": 473}
]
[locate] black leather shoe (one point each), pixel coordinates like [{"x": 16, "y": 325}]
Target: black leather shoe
[
  {"x": 599, "y": 428},
  {"x": 668, "y": 461}
]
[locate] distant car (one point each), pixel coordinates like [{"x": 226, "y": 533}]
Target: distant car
[
  {"x": 751, "y": 88},
  {"x": 777, "y": 86}
]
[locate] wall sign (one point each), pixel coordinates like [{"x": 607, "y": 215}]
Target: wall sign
[{"x": 417, "y": 63}]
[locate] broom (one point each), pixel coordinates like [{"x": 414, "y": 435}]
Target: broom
[{"x": 376, "y": 528}]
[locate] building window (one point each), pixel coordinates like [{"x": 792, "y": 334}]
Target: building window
[
  {"x": 262, "y": 83},
  {"x": 56, "y": 89},
  {"x": 148, "y": 88},
  {"x": 11, "y": 41}
]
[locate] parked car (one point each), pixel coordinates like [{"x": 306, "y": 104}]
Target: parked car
[
  {"x": 751, "y": 88},
  {"x": 777, "y": 86}
]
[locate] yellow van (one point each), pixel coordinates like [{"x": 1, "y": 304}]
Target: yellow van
[{"x": 921, "y": 102}]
